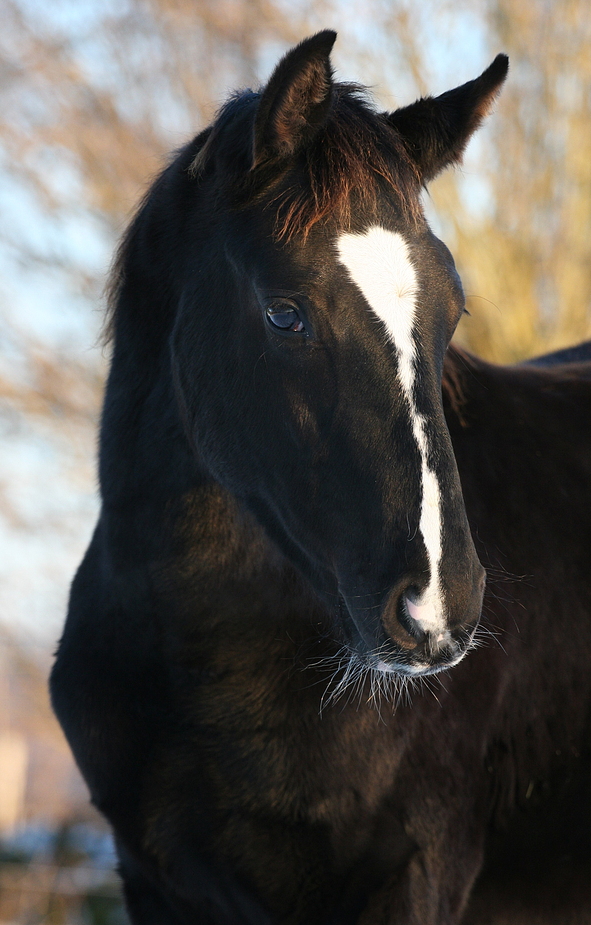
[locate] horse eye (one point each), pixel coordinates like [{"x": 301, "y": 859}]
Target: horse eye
[{"x": 285, "y": 318}]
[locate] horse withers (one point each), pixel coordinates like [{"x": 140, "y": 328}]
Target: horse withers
[{"x": 283, "y": 544}]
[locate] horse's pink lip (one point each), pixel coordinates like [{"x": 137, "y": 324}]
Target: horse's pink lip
[
  {"x": 385, "y": 667},
  {"x": 408, "y": 670}
]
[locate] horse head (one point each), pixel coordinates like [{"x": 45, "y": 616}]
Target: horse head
[{"x": 316, "y": 309}]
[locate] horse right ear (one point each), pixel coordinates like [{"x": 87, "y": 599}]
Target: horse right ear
[
  {"x": 436, "y": 130},
  {"x": 295, "y": 103}
]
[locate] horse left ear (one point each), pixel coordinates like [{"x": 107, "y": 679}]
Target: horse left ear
[
  {"x": 295, "y": 103},
  {"x": 437, "y": 129}
]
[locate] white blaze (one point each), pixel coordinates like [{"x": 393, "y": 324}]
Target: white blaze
[{"x": 379, "y": 263}]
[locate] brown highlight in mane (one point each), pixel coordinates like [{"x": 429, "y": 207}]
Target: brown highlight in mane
[{"x": 355, "y": 157}]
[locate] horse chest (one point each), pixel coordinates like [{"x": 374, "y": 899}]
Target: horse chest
[
  {"x": 306, "y": 805},
  {"x": 271, "y": 752}
]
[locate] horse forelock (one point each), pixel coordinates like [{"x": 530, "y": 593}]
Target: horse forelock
[{"x": 356, "y": 157}]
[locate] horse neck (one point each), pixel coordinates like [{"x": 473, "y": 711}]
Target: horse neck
[{"x": 501, "y": 418}]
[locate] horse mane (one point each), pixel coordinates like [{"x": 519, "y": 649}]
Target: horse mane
[
  {"x": 457, "y": 366},
  {"x": 126, "y": 254},
  {"x": 352, "y": 157}
]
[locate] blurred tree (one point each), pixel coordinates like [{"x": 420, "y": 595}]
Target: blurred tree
[
  {"x": 94, "y": 95},
  {"x": 106, "y": 90},
  {"x": 93, "y": 100},
  {"x": 524, "y": 248}
]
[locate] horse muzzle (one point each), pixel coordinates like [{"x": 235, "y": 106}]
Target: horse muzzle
[{"x": 409, "y": 637}]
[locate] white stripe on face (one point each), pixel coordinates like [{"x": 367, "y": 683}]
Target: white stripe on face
[{"x": 379, "y": 263}]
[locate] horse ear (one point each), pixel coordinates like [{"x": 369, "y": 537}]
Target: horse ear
[
  {"x": 295, "y": 102},
  {"x": 437, "y": 129}
]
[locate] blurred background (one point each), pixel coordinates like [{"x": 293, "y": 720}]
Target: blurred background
[{"x": 93, "y": 94}]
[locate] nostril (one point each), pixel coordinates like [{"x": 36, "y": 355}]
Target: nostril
[{"x": 403, "y": 613}]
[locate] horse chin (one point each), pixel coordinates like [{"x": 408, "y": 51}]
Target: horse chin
[
  {"x": 415, "y": 669},
  {"x": 432, "y": 656}
]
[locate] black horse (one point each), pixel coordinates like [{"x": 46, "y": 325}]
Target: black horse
[{"x": 284, "y": 544}]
